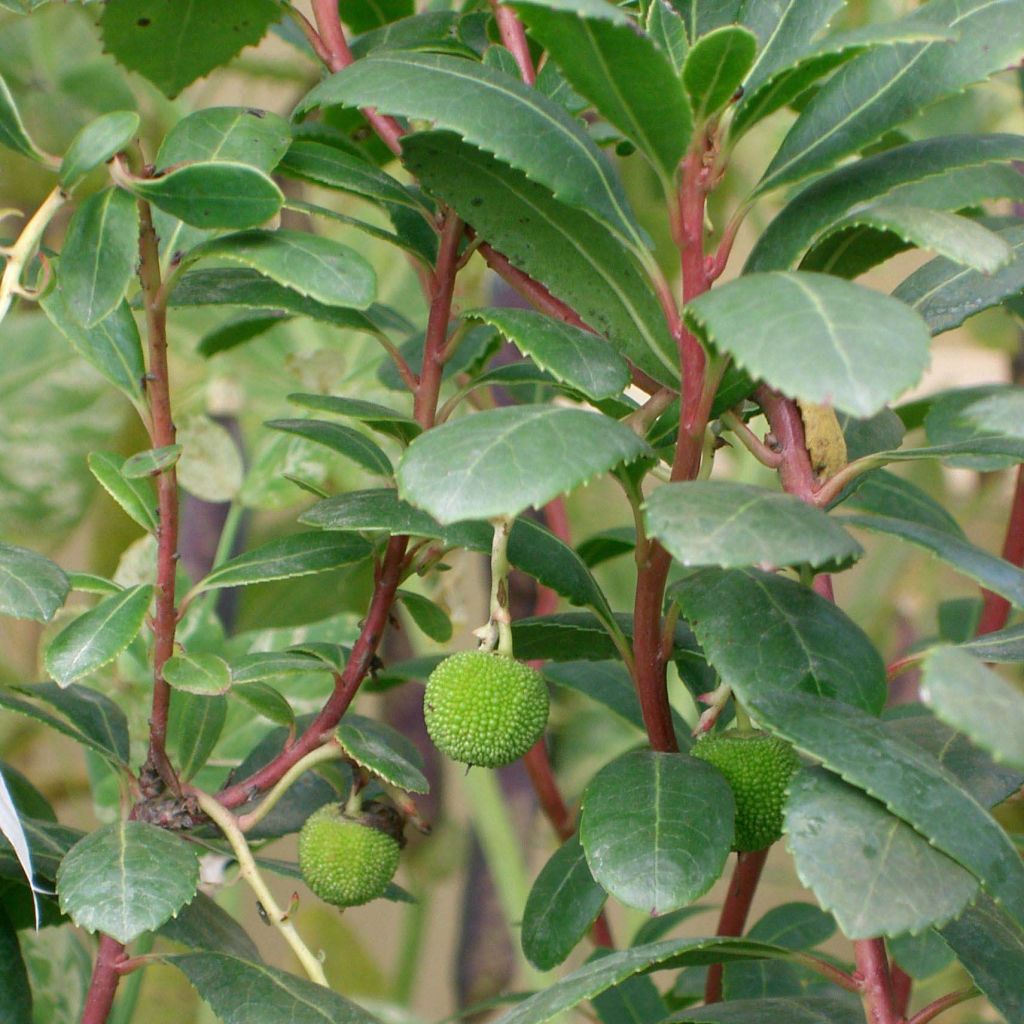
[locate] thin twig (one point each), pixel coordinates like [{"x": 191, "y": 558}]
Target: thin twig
[
  {"x": 876, "y": 981},
  {"x": 932, "y": 1010}
]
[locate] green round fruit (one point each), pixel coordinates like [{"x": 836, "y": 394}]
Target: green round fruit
[
  {"x": 344, "y": 861},
  {"x": 485, "y": 709},
  {"x": 758, "y": 768}
]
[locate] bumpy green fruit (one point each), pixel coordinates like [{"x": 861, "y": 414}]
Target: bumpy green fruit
[
  {"x": 758, "y": 767},
  {"x": 343, "y": 861},
  {"x": 485, "y": 709}
]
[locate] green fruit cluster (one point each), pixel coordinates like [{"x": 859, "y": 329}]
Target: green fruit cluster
[
  {"x": 485, "y": 709},
  {"x": 343, "y": 861},
  {"x": 758, "y": 768}
]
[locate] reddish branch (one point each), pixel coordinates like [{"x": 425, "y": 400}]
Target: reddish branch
[
  {"x": 996, "y": 609},
  {"x": 103, "y": 986},
  {"x": 943, "y": 1003},
  {"x": 876, "y": 981},
  {"x": 514, "y": 39}
]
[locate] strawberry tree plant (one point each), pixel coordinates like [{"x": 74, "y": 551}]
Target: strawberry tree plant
[{"x": 742, "y": 423}]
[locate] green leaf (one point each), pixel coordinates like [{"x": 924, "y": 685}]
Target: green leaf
[
  {"x": 13, "y": 133},
  {"x": 346, "y": 441},
  {"x": 668, "y": 31},
  {"x": 194, "y": 726},
  {"x": 657, "y": 829},
  {"x": 946, "y": 294},
  {"x": 910, "y": 783},
  {"x": 96, "y": 716},
  {"x": 372, "y": 511},
  {"x": 127, "y": 878},
  {"x": 203, "y": 674},
  {"x": 99, "y": 255},
  {"x": 921, "y": 956},
  {"x": 299, "y": 554},
  {"x": 886, "y": 86},
  {"x": 969, "y": 697},
  {"x": 315, "y": 267},
  {"x": 266, "y": 702},
  {"x": 31, "y": 586},
  {"x": 794, "y": 926},
  {"x": 362, "y": 17},
  {"x": 214, "y": 194},
  {"x": 500, "y": 462},
  {"x": 627, "y": 78},
  {"x": 96, "y": 143},
  {"x": 151, "y": 462},
  {"x": 886, "y": 494},
  {"x": 211, "y": 465},
  {"x": 112, "y": 345},
  {"x": 334, "y": 168},
  {"x": 563, "y": 248},
  {"x": 383, "y": 752},
  {"x": 1003, "y": 646},
  {"x": 564, "y": 902},
  {"x": 382, "y": 419},
  {"x": 607, "y": 682},
  {"x": 870, "y": 869},
  {"x": 815, "y": 1009},
  {"x": 803, "y": 642},
  {"x": 15, "y": 991},
  {"x": 204, "y": 924},
  {"x": 635, "y": 999},
  {"x": 234, "y": 988},
  {"x": 991, "y": 572},
  {"x": 576, "y": 357},
  {"x": 991, "y": 948},
  {"x": 48, "y": 842},
  {"x": 734, "y": 525},
  {"x": 173, "y": 47},
  {"x": 951, "y": 168},
  {"x": 715, "y": 67},
  {"x": 968, "y": 415},
  {"x": 430, "y": 617},
  {"x": 816, "y": 337},
  {"x": 237, "y": 331},
  {"x": 98, "y": 636},
  {"x": 135, "y": 497},
  {"x": 495, "y": 113},
  {"x": 262, "y": 665},
  {"x": 607, "y": 544}
]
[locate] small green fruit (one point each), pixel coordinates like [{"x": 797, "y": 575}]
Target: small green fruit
[
  {"x": 758, "y": 767},
  {"x": 485, "y": 709},
  {"x": 344, "y": 861}
]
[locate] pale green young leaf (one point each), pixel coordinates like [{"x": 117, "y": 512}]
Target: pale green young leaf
[
  {"x": 211, "y": 465},
  {"x": 816, "y": 337},
  {"x": 96, "y": 143},
  {"x": 203, "y": 674},
  {"x": 99, "y": 255},
  {"x": 715, "y": 66},
  {"x": 31, "y": 586},
  {"x": 151, "y": 462}
]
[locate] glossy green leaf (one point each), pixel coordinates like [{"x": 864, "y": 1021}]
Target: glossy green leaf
[
  {"x": 946, "y": 294},
  {"x": 969, "y": 697},
  {"x": 803, "y": 642},
  {"x": 98, "y": 636},
  {"x": 203, "y": 674},
  {"x": 951, "y": 167},
  {"x": 266, "y": 702},
  {"x": 236, "y": 989},
  {"x": 657, "y": 829},
  {"x": 135, "y": 497},
  {"x": 563, "y": 248},
  {"x": 92, "y": 583},
  {"x": 260, "y": 665},
  {"x": 910, "y": 783},
  {"x": 48, "y": 842},
  {"x": 991, "y": 572},
  {"x": 668, "y": 31},
  {"x": 980, "y": 417},
  {"x": 13, "y": 133},
  {"x": 335, "y": 168},
  {"x": 720, "y": 523},
  {"x": 383, "y": 752},
  {"x": 500, "y": 462},
  {"x": 96, "y": 143},
  {"x": 95, "y": 715},
  {"x": 205, "y": 34},
  {"x": 886, "y": 494},
  {"x": 112, "y": 345},
  {"x": 635, "y": 999},
  {"x": 382, "y": 419},
  {"x": 299, "y": 554},
  {"x": 886, "y": 86},
  {"x": 1003, "y": 646},
  {"x": 431, "y": 618},
  {"x": 353, "y": 444},
  {"x": 715, "y": 66},
  {"x": 816, "y": 337},
  {"x": 870, "y": 869},
  {"x": 194, "y": 726},
  {"x": 216, "y": 194},
  {"x": 15, "y": 990},
  {"x": 991, "y": 948},
  {"x": 564, "y": 902},
  {"x": 621, "y": 71},
  {"x": 31, "y": 586},
  {"x": 373, "y": 511},
  {"x": 812, "y": 1009},
  {"x": 493, "y": 112},
  {"x": 576, "y": 357},
  {"x": 126, "y": 879},
  {"x": 315, "y": 267},
  {"x": 204, "y": 924},
  {"x": 99, "y": 255},
  {"x": 151, "y": 462}
]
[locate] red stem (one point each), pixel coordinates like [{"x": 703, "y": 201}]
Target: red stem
[
  {"x": 162, "y": 433},
  {"x": 902, "y": 983},
  {"x": 103, "y": 986},
  {"x": 932, "y": 1010},
  {"x": 514, "y": 39},
  {"x": 876, "y": 981},
  {"x": 996, "y": 609},
  {"x": 735, "y": 910}
]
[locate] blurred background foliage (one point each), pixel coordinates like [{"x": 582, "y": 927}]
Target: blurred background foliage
[{"x": 453, "y": 947}]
